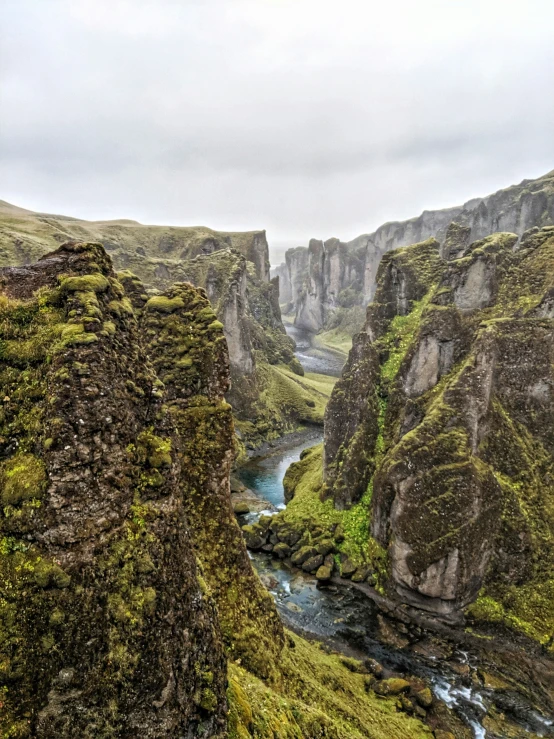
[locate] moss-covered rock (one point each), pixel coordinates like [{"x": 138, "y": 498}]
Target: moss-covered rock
[
  {"x": 104, "y": 627},
  {"x": 448, "y": 392},
  {"x": 189, "y": 351}
]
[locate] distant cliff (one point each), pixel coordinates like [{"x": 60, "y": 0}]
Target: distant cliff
[
  {"x": 331, "y": 275},
  {"x": 234, "y": 270}
]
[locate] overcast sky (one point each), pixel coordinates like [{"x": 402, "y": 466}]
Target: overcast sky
[{"x": 303, "y": 117}]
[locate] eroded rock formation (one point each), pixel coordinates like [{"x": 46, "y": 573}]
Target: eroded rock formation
[
  {"x": 233, "y": 268},
  {"x": 124, "y": 581},
  {"x": 325, "y": 278},
  {"x": 449, "y": 392}
]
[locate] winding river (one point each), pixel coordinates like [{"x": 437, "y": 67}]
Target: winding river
[{"x": 348, "y": 619}]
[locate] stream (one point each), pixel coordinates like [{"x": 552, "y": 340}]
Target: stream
[
  {"x": 349, "y": 620},
  {"x": 315, "y": 358}
]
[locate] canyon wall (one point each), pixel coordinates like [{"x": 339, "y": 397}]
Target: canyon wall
[
  {"x": 325, "y": 278},
  {"x": 106, "y": 628},
  {"x": 128, "y": 603},
  {"x": 442, "y": 420},
  {"x": 234, "y": 270}
]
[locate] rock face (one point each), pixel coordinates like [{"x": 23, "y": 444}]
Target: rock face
[
  {"x": 284, "y": 284},
  {"x": 189, "y": 354},
  {"x": 444, "y": 415},
  {"x": 327, "y": 277},
  {"x": 233, "y": 268},
  {"x": 116, "y": 509}
]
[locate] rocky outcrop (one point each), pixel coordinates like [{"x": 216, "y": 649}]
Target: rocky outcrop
[
  {"x": 189, "y": 352},
  {"x": 128, "y": 604},
  {"x": 334, "y": 278},
  {"x": 284, "y": 284},
  {"x": 233, "y": 268},
  {"x": 352, "y": 267},
  {"x": 448, "y": 394},
  {"x": 296, "y": 263},
  {"x": 106, "y": 628}
]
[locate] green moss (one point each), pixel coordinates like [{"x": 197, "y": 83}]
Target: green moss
[
  {"x": 317, "y": 696},
  {"x": 307, "y": 512},
  {"x": 162, "y": 304},
  {"x": 400, "y": 335},
  {"x": 95, "y": 283},
  {"x": 121, "y": 307},
  {"x": 23, "y": 478},
  {"x": 74, "y": 334}
]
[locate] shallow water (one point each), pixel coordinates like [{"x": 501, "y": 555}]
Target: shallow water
[{"x": 265, "y": 474}]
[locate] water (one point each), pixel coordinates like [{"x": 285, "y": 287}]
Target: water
[
  {"x": 265, "y": 474},
  {"x": 314, "y": 358},
  {"x": 348, "y": 619}
]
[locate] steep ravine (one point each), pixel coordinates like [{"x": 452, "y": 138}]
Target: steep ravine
[
  {"x": 128, "y": 603},
  {"x": 430, "y": 307},
  {"x": 341, "y": 613}
]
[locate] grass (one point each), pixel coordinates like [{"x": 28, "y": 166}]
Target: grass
[
  {"x": 301, "y": 398},
  {"x": 306, "y": 508},
  {"x": 336, "y": 340},
  {"x": 317, "y": 696}
]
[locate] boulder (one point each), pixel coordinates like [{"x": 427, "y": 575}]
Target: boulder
[
  {"x": 324, "y": 573},
  {"x": 282, "y": 550},
  {"x": 252, "y": 537},
  {"x": 374, "y": 667},
  {"x": 347, "y": 568},
  {"x": 313, "y": 563},
  {"x": 424, "y": 698},
  {"x": 392, "y": 686},
  {"x": 241, "y": 508},
  {"x": 325, "y": 547},
  {"x": 299, "y": 557}
]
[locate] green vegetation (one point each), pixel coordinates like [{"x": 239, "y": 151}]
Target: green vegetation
[
  {"x": 343, "y": 325},
  {"x": 316, "y": 696},
  {"x": 399, "y": 337},
  {"x": 164, "y": 305},
  {"x": 317, "y": 519},
  {"x": 22, "y": 478}
]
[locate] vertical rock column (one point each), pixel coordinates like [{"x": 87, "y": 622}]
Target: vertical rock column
[
  {"x": 189, "y": 351},
  {"x": 105, "y": 629}
]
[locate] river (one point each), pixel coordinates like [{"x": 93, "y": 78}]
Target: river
[
  {"x": 349, "y": 620},
  {"x": 314, "y": 358}
]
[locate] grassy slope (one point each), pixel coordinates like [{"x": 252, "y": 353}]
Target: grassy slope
[
  {"x": 286, "y": 395},
  {"x": 317, "y": 697},
  {"x": 307, "y": 510}
]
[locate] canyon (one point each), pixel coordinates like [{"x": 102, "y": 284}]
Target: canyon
[
  {"x": 323, "y": 283},
  {"x": 202, "y": 536}
]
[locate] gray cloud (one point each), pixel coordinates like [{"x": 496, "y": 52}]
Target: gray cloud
[{"x": 306, "y": 118}]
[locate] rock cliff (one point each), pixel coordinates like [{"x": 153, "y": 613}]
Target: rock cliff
[
  {"x": 128, "y": 604},
  {"x": 106, "y": 629},
  {"x": 449, "y": 392},
  {"x": 327, "y": 277},
  {"x": 234, "y": 270}
]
